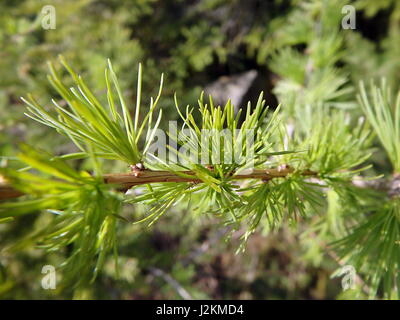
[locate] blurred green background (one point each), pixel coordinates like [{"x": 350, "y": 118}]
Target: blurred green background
[{"x": 230, "y": 48}]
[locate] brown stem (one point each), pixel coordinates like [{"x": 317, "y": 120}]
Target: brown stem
[
  {"x": 129, "y": 180},
  {"x": 8, "y": 192}
]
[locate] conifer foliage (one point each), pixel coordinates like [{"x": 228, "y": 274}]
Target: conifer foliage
[
  {"x": 311, "y": 163},
  {"x": 290, "y": 174}
]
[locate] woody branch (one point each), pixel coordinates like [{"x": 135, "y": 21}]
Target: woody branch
[{"x": 140, "y": 177}]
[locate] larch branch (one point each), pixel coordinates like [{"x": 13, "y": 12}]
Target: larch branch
[{"x": 141, "y": 177}]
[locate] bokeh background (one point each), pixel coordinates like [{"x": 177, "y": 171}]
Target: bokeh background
[{"x": 231, "y": 49}]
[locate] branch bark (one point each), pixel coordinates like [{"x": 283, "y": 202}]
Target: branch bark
[
  {"x": 125, "y": 181},
  {"x": 8, "y": 192},
  {"x": 141, "y": 176}
]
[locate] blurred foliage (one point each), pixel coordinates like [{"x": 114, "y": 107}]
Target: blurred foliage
[{"x": 314, "y": 67}]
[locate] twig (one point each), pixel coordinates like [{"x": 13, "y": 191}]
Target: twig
[
  {"x": 172, "y": 282},
  {"x": 8, "y": 192},
  {"x": 140, "y": 177},
  {"x": 125, "y": 181}
]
